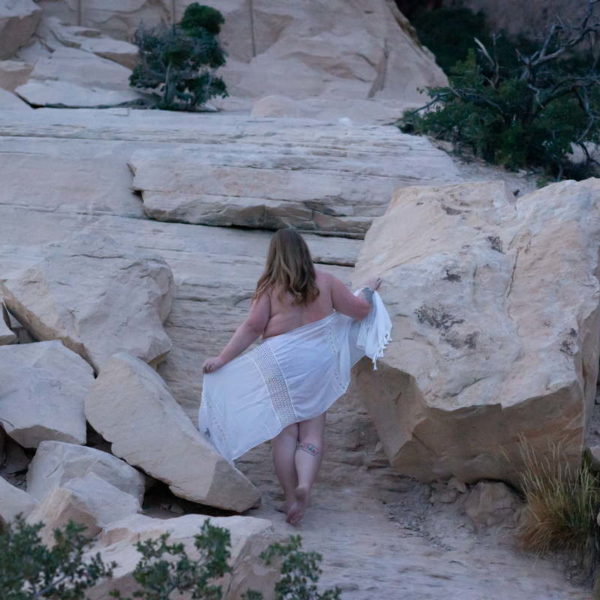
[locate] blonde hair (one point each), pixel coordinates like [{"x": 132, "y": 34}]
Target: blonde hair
[{"x": 289, "y": 268}]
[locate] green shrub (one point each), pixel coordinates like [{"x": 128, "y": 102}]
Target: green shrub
[
  {"x": 177, "y": 64},
  {"x": 523, "y": 108},
  {"x": 31, "y": 571},
  {"x": 562, "y": 505}
]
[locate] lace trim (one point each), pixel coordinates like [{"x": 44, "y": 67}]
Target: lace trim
[{"x": 276, "y": 385}]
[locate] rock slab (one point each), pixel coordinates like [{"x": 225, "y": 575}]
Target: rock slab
[
  {"x": 56, "y": 464},
  {"x": 496, "y": 309},
  {"x": 42, "y": 389},
  {"x": 97, "y": 296},
  {"x": 129, "y": 394},
  {"x": 249, "y": 537},
  {"x": 18, "y": 20}
]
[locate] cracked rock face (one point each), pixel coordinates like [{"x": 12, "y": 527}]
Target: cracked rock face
[
  {"x": 97, "y": 296},
  {"x": 495, "y": 303},
  {"x": 166, "y": 445}
]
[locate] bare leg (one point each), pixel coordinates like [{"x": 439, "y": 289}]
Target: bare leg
[
  {"x": 308, "y": 460},
  {"x": 284, "y": 450}
]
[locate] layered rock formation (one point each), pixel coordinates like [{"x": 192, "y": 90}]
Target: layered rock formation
[
  {"x": 496, "y": 313},
  {"x": 341, "y": 58}
]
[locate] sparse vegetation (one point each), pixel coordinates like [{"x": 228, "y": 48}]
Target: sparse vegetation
[
  {"x": 562, "y": 507},
  {"x": 31, "y": 571},
  {"x": 525, "y": 106},
  {"x": 178, "y": 64}
]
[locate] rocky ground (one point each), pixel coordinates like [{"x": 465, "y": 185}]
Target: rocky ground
[{"x": 379, "y": 533}]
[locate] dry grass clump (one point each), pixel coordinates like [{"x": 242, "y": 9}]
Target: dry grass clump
[{"x": 562, "y": 505}]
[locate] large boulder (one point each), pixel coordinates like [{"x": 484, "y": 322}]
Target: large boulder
[
  {"x": 249, "y": 537},
  {"x": 495, "y": 305},
  {"x": 97, "y": 296},
  {"x": 89, "y": 501},
  {"x": 18, "y": 20},
  {"x": 166, "y": 445},
  {"x": 56, "y": 464},
  {"x": 74, "y": 77},
  {"x": 42, "y": 388},
  {"x": 14, "y": 501}
]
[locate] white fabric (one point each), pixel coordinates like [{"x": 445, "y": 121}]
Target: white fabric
[{"x": 288, "y": 378}]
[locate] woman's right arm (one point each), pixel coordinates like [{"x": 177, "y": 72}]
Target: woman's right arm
[{"x": 346, "y": 302}]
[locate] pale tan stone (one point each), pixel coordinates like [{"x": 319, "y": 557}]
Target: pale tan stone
[
  {"x": 166, "y": 445},
  {"x": 13, "y": 73},
  {"x": 491, "y": 504},
  {"x": 116, "y": 298},
  {"x": 496, "y": 324},
  {"x": 14, "y": 501},
  {"x": 18, "y": 20},
  {"x": 249, "y": 537},
  {"x": 89, "y": 501},
  {"x": 73, "y": 77},
  {"x": 42, "y": 387},
  {"x": 56, "y": 464}
]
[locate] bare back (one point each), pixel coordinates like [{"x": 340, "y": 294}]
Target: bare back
[{"x": 333, "y": 295}]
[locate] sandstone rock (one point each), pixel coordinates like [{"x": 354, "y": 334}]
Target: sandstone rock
[
  {"x": 18, "y": 20},
  {"x": 42, "y": 387},
  {"x": 337, "y": 50},
  {"x": 278, "y": 106},
  {"x": 496, "y": 326},
  {"x": 56, "y": 34},
  {"x": 303, "y": 187},
  {"x": 167, "y": 446},
  {"x": 490, "y": 504},
  {"x": 249, "y": 537},
  {"x": 14, "y": 501},
  {"x": 13, "y": 73},
  {"x": 89, "y": 501},
  {"x": 73, "y": 77},
  {"x": 97, "y": 296},
  {"x": 7, "y": 335},
  {"x": 56, "y": 464},
  {"x": 9, "y": 101}
]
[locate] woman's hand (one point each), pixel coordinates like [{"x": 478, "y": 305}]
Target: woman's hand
[
  {"x": 212, "y": 364},
  {"x": 374, "y": 283}
]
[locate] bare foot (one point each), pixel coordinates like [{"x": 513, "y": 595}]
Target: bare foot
[{"x": 296, "y": 511}]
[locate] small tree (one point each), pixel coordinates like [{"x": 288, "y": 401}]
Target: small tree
[
  {"x": 29, "y": 570},
  {"x": 527, "y": 111},
  {"x": 178, "y": 63}
]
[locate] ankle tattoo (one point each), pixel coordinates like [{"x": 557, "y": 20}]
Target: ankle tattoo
[{"x": 310, "y": 448}]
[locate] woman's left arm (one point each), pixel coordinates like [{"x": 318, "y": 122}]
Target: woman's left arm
[{"x": 244, "y": 335}]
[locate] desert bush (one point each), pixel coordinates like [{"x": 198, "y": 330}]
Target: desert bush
[
  {"x": 178, "y": 64},
  {"x": 29, "y": 570},
  {"x": 522, "y": 108},
  {"x": 562, "y": 505}
]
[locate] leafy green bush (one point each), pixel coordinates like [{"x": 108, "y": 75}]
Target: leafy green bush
[
  {"x": 522, "y": 108},
  {"x": 31, "y": 571},
  {"x": 177, "y": 64}
]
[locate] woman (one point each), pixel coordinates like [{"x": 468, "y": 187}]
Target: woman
[{"x": 280, "y": 390}]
